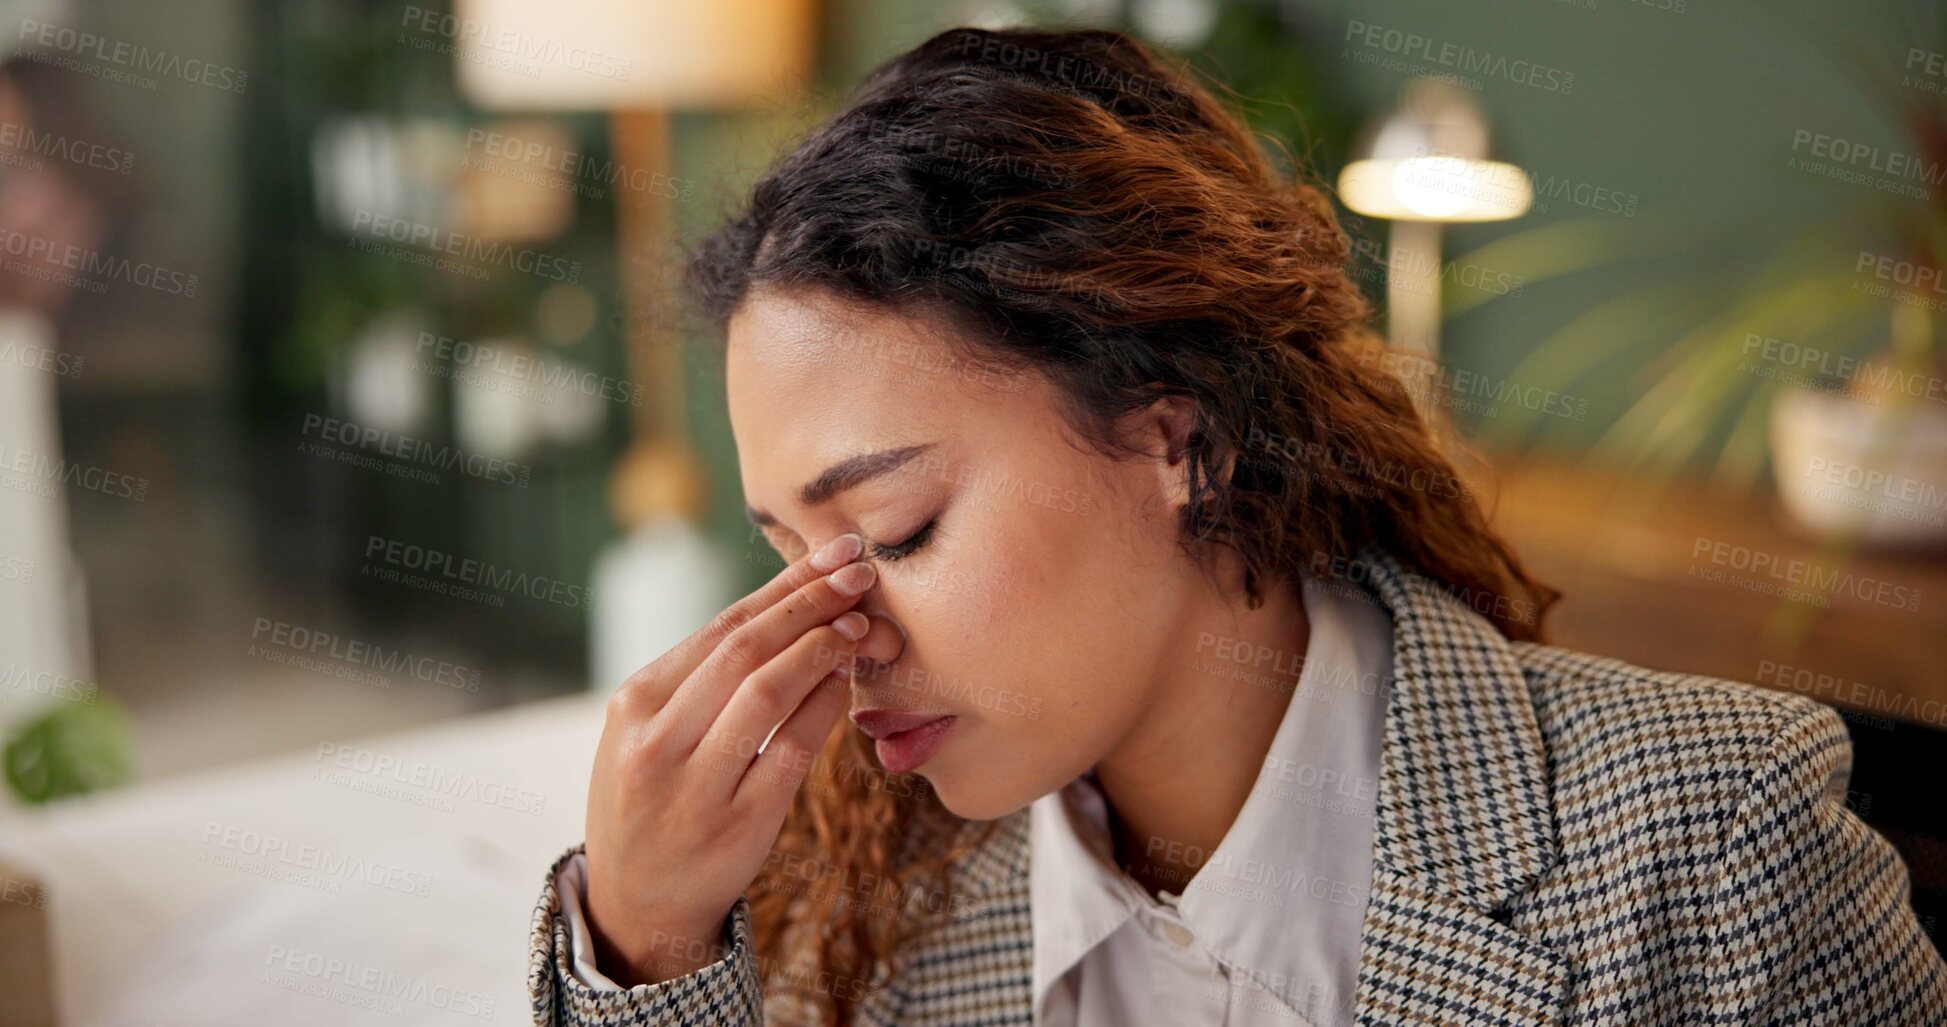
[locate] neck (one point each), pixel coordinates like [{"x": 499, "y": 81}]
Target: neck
[{"x": 1176, "y": 782}]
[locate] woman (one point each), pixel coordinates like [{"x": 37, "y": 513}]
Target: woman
[{"x": 1187, "y": 682}]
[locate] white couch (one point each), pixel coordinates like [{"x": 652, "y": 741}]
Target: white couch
[{"x": 385, "y": 880}]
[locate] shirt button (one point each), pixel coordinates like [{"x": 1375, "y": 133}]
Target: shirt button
[{"x": 1179, "y": 934}]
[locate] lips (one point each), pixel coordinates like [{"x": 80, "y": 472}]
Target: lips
[
  {"x": 880, "y": 723},
  {"x": 904, "y": 740}
]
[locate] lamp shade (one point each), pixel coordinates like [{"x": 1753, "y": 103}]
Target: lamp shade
[
  {"x": 1428, "y": 161},
  {"x": 624, "y": 54}
]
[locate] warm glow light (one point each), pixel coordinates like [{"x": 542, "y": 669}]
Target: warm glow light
[
  {"x": 1426, "y": 194},
  {"x": 621, "y": 54},
  {"x": 1436, "y": 189}
]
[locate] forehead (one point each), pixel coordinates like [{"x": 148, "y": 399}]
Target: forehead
[{"x": 812, "y": 378}]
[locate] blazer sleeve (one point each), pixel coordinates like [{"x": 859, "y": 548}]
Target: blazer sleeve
[
  {"x": 726, "y": 992},
  {"x": 1811, "y": 916}
]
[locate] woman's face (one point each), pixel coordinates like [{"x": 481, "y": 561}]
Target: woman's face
[{"x": 1037, "y": 584}]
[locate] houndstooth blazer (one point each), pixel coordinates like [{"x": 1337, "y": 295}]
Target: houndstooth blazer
[{"x": 1560, "y": 839}]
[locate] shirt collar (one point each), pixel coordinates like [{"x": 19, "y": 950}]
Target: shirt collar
[
  {"x": 1282, "y": 898},
  {"x": 1077, "y": 894}
]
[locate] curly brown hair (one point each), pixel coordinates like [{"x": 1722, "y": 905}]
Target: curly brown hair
[{"x": 1076, "y": 205}]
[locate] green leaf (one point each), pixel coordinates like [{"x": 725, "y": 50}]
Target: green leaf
[{"x": 73, "y": 748}]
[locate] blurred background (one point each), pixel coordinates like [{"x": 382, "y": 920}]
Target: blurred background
[{"x": 353, "y": 444}]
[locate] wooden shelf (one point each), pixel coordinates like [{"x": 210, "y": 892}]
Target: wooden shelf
[{"x": 1682, "y": 577}]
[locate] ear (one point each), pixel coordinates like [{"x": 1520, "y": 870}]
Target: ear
[{"x": 1165, "y": 430}]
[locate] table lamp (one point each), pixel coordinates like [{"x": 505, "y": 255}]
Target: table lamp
[
  {"x": 639, "y": 61},
  {"x": 1424, "y": 164}
]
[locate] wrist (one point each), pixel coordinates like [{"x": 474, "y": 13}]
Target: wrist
[{"x": 653, "y": 955}]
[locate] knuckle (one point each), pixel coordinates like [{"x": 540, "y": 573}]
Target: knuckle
[
  {"x": 732, "y": 619},
  {"x": 766, "y": 692},
  {"x": 651, "y": 671},
  {"x": 633, "y": 700},
  {"x": 739, "y": 647}
]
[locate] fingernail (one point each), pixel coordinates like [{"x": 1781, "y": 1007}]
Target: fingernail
[
  {"x": 854, "y": 578},
  {"x": 838, "y": 552},
  {"x": 852, "y": 625}
]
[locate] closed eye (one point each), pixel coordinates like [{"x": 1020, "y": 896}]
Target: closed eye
[{"x": 901, "y": 550}]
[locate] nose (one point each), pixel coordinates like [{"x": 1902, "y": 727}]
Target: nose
[{"x": 883, "y": 643}]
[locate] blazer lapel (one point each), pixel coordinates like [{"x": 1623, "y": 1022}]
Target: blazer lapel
[{"x": 1465, "y": 821}]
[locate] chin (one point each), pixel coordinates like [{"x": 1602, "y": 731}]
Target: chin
[{"x": 974, "y": 800}]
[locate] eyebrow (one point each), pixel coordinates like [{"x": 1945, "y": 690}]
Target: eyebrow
[{"x": 848, "y": 473}]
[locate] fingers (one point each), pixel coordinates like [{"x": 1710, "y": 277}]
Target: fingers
[
  {"x": 650, "y": 688},
  {"x": 768, "y": 696},
  {"x": 698, "y": 704},
  {"x": 780, "y": 770}
]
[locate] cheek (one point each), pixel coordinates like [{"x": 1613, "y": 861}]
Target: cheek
[
  {"x": 977, "y": 638},
  {"x": 1034, "y": 609},
  {"x": 1033, "y": 632}
]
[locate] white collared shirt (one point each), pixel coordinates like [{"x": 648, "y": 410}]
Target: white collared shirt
[{"x": 1267, "y": 932}]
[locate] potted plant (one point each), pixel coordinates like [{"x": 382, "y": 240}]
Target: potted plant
[{"x": 1825, "y": 363}]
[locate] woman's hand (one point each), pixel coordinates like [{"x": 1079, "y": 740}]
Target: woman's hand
[{"x": 682, "y": 808}]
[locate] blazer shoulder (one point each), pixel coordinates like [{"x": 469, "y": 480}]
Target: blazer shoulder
[
  {"x": 1568, "y": 685},
  {"x": 1602, "y": 718},
  {"x": 1709, "y": 858}
]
